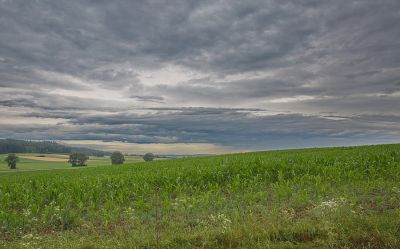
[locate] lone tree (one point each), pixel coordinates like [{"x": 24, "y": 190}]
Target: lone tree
[
  {"x": 12, "y": 160},
  {"x": 148, "y": 157},
  {"x": 117, "y": 158},
  {"x": 78, "y": 159}
]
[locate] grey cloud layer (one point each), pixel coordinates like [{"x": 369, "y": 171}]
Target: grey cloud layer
[
  {"x": 307, "y": 63},
  {"x": 240, "y": 127}
]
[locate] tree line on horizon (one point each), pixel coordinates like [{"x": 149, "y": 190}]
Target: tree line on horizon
[{"x": 44, "y": 147}]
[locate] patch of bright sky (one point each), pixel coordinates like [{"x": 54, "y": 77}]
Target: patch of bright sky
[
  {"x": 291, "y": 99},
  {"x": 60, "y": 77},
  {"x": 264, "y": 113},
  {"x": 96, "y": 93},
  {"x": 393, "y": 94},
  {"x": 247, "y": 76},
  {"x": 168, "y": 75}
]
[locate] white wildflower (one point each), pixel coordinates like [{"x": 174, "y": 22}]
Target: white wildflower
[
  {"x": 26, "y": 212},
  {"x": 28, "y": 236},
  {"x": 221, "y": 219},
  {"x": 329, "y": 204}
]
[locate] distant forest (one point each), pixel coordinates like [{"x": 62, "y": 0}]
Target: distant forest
[{"x": 44, "y": 147}]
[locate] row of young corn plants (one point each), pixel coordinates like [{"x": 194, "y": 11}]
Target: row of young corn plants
[{"x": 64, "y": 200}]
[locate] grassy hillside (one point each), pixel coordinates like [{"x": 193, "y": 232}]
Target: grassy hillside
[{"x": 311, "y": 198}]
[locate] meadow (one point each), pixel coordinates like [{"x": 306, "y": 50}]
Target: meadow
[
  {"x": 34, "y": 161},
  {"x": 347, "y": 197}
]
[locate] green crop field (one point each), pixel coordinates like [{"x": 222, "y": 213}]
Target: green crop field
[{"x": 311, "y": 198}]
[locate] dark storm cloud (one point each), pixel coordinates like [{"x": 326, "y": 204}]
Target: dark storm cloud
[
  {"x": 42, "y": 101},
  {"x": 72, "y": 36},
  {"x": 330, "y": 68}
]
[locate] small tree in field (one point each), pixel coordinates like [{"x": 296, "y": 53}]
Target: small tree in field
[
  {"x": 12, "y": 160},
  {"x": 117, "y": 158},
  {"x": 148, "y": 157},
  {"x": 78, "y": 159}
]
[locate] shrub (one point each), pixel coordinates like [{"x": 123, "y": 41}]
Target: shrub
[
  {"x": 78, "y": 159},
  {"x": 117, "y": 158},
  {"x": 12, "y": 160},
  {"x": 148, "y": 157}
]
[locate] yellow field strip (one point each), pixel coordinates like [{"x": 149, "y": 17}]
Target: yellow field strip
[{"x": 47, "y": 159}]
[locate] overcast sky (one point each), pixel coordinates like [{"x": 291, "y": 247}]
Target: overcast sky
[{"x": 201, "y": 76}]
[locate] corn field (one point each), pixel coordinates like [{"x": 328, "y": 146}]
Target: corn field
[{"x": 311, "y": 198}]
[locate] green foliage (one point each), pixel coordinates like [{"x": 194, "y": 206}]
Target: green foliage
[
  {"x": 117, "y": 158},
  {"x": 313, "y": 198},
  {"x": 12, "y": 160},
  {"x": 78, "y": 159},
  {"x": 148, "y": 157}
]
